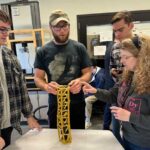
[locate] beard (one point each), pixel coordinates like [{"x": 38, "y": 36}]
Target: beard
[{"x": 61, "y": 39}]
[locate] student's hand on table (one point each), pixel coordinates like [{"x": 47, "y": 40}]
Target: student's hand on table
[
  {"x": 32, "y": 123},
  {"x": 120, "y": 113}
]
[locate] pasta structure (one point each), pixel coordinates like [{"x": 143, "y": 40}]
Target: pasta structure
[{"x": 63, "y": 114}]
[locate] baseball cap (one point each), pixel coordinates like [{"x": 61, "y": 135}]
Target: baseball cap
[{"x": 57, "y": 16}]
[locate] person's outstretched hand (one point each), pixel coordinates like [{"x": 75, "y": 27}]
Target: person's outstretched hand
[{"x": 87, "y": 88}]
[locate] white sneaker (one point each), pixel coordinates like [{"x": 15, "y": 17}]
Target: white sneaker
[{"x": 87, "y": 125}]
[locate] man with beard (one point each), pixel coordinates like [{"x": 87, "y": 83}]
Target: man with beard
[{"x": 65, "y": 62}]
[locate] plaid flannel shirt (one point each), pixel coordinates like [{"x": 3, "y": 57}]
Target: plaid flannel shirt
[
  {"x": 115, "y": 60},
  {"x": 17, "y": 90},
  {"x": 115, "y": 57}
]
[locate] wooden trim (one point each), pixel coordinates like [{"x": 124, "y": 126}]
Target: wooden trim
[{"x": 31, "y": 33}]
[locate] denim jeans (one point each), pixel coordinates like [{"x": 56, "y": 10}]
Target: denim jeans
[
  {"x": 6, "y": 135},
  {"x": 107, "y": 117},
  {"x": 116, "y": 130},
  {"x": 130, "y": 146}
]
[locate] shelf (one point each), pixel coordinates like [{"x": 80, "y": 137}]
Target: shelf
[
  {"x": 31, "y": 33},
  {"x": 21, "y": 40},
  {"x": 27, "y": 36}
]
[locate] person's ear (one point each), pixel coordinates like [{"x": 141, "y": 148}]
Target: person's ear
[{"x": 131, "y": 25}]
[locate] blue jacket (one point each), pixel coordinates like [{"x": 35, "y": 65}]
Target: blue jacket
[
  {"x": 98, "y": 80},
  {"x": 109, "y": 82}
]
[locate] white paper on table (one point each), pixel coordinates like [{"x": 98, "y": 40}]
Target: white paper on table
[{"x": 99, "y": 50}]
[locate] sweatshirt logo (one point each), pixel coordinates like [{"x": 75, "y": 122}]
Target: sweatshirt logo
[{"x": 134, "y": 105}]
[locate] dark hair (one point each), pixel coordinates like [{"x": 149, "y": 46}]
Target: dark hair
[
  {"x": 126, "y": 15},
  {"x": 4, "y": 17},
  {"x": 94, "y": 62},
  {"x": 136, "y": 41}
]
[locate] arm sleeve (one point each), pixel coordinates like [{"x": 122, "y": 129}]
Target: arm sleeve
[
  {"x": 109, "y": 96},
  {"x": 26, "y": 106},
  {"x": 85, "y": 60},
  {"x": 38, "y": 63},
  {"x": 26, "y": 102}
]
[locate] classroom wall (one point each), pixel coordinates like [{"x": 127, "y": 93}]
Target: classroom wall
[{"x": 77, "y": 7}]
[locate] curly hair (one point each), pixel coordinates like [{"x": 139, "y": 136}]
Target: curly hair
[{"x": 141, "y": 78}]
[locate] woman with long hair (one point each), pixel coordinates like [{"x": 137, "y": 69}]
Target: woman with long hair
[{"x": 132, "y": 93}]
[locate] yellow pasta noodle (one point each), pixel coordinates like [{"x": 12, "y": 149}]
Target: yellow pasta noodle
[{"x": 63, "y": 114}]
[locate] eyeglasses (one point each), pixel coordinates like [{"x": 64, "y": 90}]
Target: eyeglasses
[
  {"x": 59, "y": 27},
  {"x": 126, "y": 57},
  {"x": 4, "y": 30}
]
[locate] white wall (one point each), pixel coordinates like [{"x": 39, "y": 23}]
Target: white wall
[
  {"x": 77, "y": 7},
  {"x": 74, "y": 8}
]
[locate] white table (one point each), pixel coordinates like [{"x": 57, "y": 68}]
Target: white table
[{"x": 47, "y": 139}]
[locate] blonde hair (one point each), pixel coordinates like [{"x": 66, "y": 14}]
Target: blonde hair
[{"x": 141, "y": 78}]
